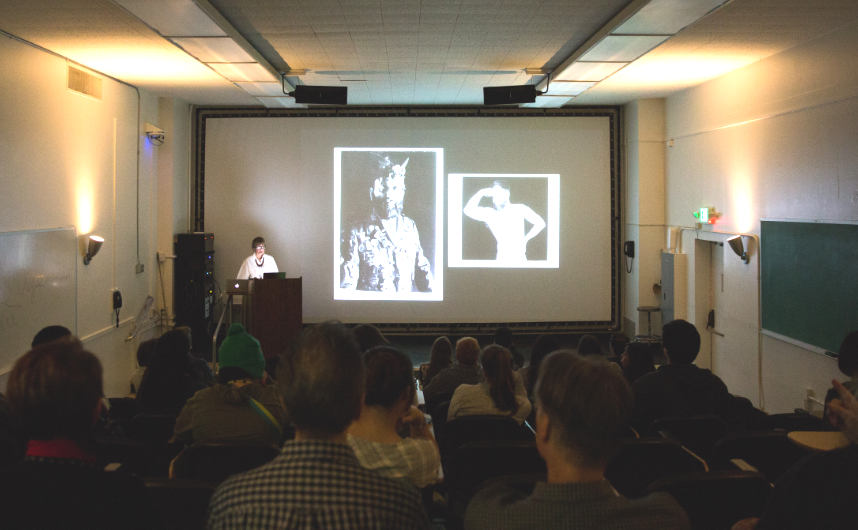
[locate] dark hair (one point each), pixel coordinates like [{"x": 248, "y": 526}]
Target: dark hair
[
  {"x": 389, "y": 374},
  {"x": 50, "y": 333},
  {"x": 588, "y": 403},
  {"x": 467, "y": 351},
  {"x": 257, "y": 241},
  {"x": 441, "y": 356},
  {"x": 589, "y": 345},
  {"x": 640, "y": 361},
  {"x": 54, "y": 389},
  {"x": 618, "y": 343},
  {"x": 503, "y": 336},
  {"x": 145, "y": 352},
  {"x": 847, "y": 356},
  {"x": 544, "y": 345},
  {"x": 681, "y": 340},
  {"x": 322, "y": 379},
  {"x": 165, "y": 382},
  {"x": 497, "y": 367},
  {"x": 271, "y": 366},
  {"x": 368, "y": 336}
]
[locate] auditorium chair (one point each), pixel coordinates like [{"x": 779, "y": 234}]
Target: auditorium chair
[
  {"x": 216, "y": 462},
  {"x": 439, "y": 419},
  {"x": 771, "y": 453},
  {"x": 795, "y": 421},
  {"x": 437, "y": 399},
  {"x": 134, "y": 456},
  {"x": 642, "y": 461},
  {"x": 180, "y": 504},
  {"x": 717, "y": 500},
  {"x": 122, "y": 408},
  {"x": 480, "y": 428},
  {"x": 156, "y": 431},
  {"x": 698, "y": 434}
]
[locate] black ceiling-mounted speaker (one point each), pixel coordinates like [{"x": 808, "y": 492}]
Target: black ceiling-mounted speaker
[
  {"x": 505, "y": 95},
  {"x": 321, "y": 95}
]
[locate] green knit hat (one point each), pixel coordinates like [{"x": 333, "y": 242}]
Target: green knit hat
[{"x": 240, "y": 350}]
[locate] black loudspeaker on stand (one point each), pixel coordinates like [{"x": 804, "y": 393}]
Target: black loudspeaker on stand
[{"x": 194, "y": 288}]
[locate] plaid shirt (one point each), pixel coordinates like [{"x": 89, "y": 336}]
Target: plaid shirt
[
  {"x": 315, "y": 484},
  {"x": 413, "y": 459}
]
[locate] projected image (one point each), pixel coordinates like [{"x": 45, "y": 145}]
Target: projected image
[
  {"x": 388, "y": 210},
  {"x": 504, "y": 220}
]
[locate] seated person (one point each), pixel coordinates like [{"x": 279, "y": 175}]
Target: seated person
[
  {"x": 169, "y": 380},
  {"x": 50, "y": 334},
  {"x": 501, "y": 394},
  {"x": 583, "y": 405},
  {"x": 847, "y": 362},
  {"x": 618, "y": 343},
  {"x": 54, "y": 394},
  {"x": 589, "y": 345},
  {"x": 679, "y": 388},
  {"x": 201, "y": 369},
  {"x": 465, "y": 372},
  {"x": 368, "y": 336},
  {"x": 145, "y": 352},
  {"x": 544, "y": 345},
  {"x": 503, "y": 337},
  {"x": 387, "y": 405},
  {"x": 637, "y": 361},
  {"x": 440, "y": 357},
  {"x": 316, "y": 481},
  {"x": 239, "y": 408}
]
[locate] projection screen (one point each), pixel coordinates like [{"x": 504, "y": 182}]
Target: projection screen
[{"x": 450, "y": 218}]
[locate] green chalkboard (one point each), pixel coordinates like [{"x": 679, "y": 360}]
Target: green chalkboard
[{"x": 810, "y": 281}]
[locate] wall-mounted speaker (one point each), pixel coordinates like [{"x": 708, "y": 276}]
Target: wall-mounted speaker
[
  {"x": 321, "y": 95},
  {"x": 505, "y": 95}
]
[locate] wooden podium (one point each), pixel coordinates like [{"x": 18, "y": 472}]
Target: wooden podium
[{"x": 275, "y": 316}]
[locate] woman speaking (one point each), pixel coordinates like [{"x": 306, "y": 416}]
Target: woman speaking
[{"x": 257, "y": 263}]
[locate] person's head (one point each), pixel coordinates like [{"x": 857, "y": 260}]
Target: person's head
[
  {"x": 847, "y": 356},
  {"x": 497, "y": 368},
  {"x": 442, "y": 353},
  {"x": 500, "y": 194},
  {"x": 49, "y": 334},
  {"x": 54, "y": 391},
  {"x": 240, "y": 356},
  {"x": 681, "y": 341},
  {"x": 583, "y": 406},
  {"x": 389, "y": 378},
  {"x": 322, "y": 379},
  {"x": 172, "y": 357},
  {"x": 187, "y": 331},
  {"x": 467, "y": 351},
  {"x": 258, "y": 246},
  {"x": 145, "y": 352},
  {"x": 368, "y": 336},
  {"x": 544, "y": 345},
  {"x": 589, "y": 345},
  {"x": 638, "y": 355},
  {"x": 618, "y": 344},
  {"x": 503, "y": 336},
  {"x": 388, "y": 189}
]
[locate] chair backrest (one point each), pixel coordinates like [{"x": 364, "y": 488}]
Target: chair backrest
[
  {"x": 719, "y": 499},
  {"x": 439, "y": 419},
  {"x": 122, "y": 408},
  {"x": 152, "y": 428},
  {"x": 433, "y": 401},
  {"x": 696, "y": 433},
  {"x": 216, "y": 462},
  {"x": 642, "y": 461},
  {"x": 480, "y": 428},
  {"x": 770, "y": 452},
  {"x": 522, "y": 483},
  {"x": 135, "y": 457},
  {"x": 795, "y": 421},
  {"x": 180, "y": 504}
]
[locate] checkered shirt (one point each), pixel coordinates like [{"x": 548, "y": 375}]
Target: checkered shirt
[
  {"x": 315, "y": 484},
  {"x": 413, "y": 459}
]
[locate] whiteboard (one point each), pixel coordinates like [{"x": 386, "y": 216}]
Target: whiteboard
[{"x": 38, "y": 287}]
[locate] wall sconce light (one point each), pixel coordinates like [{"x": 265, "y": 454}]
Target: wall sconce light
[
  {"x": 93, "y": 245},
  {"x": 155, "y": 135},
  {"x": 739, "y": 248}
]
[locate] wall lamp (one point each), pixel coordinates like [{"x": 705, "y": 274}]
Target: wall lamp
[
  {"x": 93, "y": 245},
  {"x": 739, "y": 248}
]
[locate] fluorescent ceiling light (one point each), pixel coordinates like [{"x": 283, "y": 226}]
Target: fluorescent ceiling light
[
  {"x": 548, "y": 102},
  {"x": 238, "y": 72},
  {"x": 173, "y": 18},
  {"x": 214, "y": 49},
  {"x": 581, "y": 71},
  {"x": 666, "y": 16},
  {"x": 280, "y": 103},
  {"x": 262, "y": 89},
  {"x": 568, "y": 88},
  {"x": 623, "y": 47}
]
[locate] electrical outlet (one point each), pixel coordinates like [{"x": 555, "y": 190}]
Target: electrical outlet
[{"x": 139, "y": 268}]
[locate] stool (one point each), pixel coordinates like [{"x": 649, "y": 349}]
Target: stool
[{"x": 649, "y": 337}]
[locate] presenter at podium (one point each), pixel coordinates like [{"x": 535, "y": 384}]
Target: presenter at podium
[{"x": 257, "y": 263}]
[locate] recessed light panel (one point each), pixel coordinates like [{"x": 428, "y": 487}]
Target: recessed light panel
[
  {"x": 625, "y": 48},
  {"x": 568, "y": 88},
  {"x": 661, "y": 17},
  {"x": 214, "y": 49},
  {"x": 238, "y": 72},
  {"x": 173, "y": 18},
  {"x": 581, "y": 71},
  {"x": 262, "y": 89}
]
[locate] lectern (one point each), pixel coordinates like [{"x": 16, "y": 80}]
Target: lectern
[{"x": 275, "y": 316}]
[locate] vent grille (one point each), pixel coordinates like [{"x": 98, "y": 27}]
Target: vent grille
[{"x": 84, "y": 83}]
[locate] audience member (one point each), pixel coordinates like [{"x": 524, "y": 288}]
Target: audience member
[
  {"x": 145, "y": 352},
  {"x": 368, "y": 336},
  {"x": 373, "y": 437},
  {"x": 501, "y": 394},
  {"x": 583, "y": 405},
  {"x": 317, "y": 482},
  {"x": 590, "y": 345},
  {"x": 202, "y": 370},
  {"x": 239, "y": 408},
  {"x": 441, "y": 357},
  {"x": 169, "y": 380},
  {"x": 503, "y": 337},
  {"x": 618, "y": 342},
  {"x": 465, "y": 372},
  {"x": 544, "y": 345},
  {"x": 637, "y": 361},
  {"x": 847, "y": 362},
  {"x": 54, "y": 393},
  {"x": 679, "y": 388},
  {"x": 50, "y": 334},
  {"x": 271, "y": 367}
]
